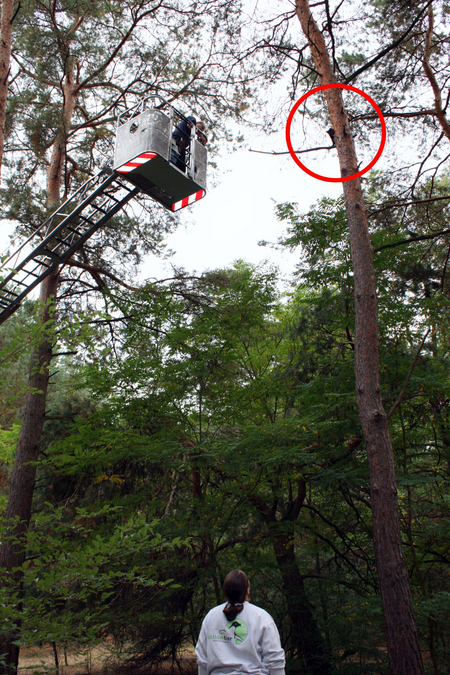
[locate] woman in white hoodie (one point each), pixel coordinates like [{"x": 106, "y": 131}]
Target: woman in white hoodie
[{"x": 238, "y": 637}]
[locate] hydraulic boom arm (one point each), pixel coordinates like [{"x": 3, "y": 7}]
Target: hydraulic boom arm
[{"x": 94, "y": 203}]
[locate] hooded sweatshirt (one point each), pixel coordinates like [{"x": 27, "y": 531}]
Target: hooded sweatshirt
[{"x": 249, "y": 644}]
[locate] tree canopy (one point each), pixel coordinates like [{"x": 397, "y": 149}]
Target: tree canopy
[{"x": 174, "y": 430}]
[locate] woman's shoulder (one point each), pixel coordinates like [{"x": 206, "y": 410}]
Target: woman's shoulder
[
  {"x": 216, "y": 610},
  {"x": 258, "y": 611}
]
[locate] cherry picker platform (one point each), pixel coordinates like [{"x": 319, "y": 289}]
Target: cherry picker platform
[
  {"x": 145, "y": 152},
  {"x": 143, "y": 163}
]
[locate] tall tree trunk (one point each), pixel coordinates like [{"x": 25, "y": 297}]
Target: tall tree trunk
[
  {"x": 401, "y": 631},
  {"x": 5, "y": 58},
  {"x": 23, "y": 475},
  {"x": 20, "y": 497},
  {"x": 440, "y": 111},
  {"x": 59, "y": 154}
]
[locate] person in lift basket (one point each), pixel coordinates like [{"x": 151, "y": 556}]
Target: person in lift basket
[
  {"x": 238, "y": 637},
  {"x": 182, "y": 138}
]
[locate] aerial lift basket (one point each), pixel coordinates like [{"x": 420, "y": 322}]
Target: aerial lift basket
[{"x": 145, "y": 152}]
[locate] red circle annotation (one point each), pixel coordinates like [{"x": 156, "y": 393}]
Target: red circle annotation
[{"x": 318, "y": 175}]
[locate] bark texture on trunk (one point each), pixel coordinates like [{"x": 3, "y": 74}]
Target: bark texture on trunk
[
  {"x": 5, "y": 58},
  {"x": 401, "y": 631},
  {"x": 440, "y": 112},
  {"x": 59, "y": 152},
  {"x": 20, "y": 497}
]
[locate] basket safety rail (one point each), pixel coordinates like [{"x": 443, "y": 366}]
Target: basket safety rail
[
  {"x": 153, "y": 101},
  {"x": 61, "y": 235}
]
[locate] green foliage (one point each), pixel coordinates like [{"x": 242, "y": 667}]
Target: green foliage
[
  {"x": 75, "y": 574},
  {"x": 208, "y": 409},
  {"x": 216, "y": 424},
  {"x": 113, "y": 54},
  {"x": 8, "y": 442},
  {"x": 223, "y": 398}
]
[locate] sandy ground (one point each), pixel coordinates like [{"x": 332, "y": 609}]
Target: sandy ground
[
  {"x": 83, "y": 662},
  {"x": 35, "y": 661}
]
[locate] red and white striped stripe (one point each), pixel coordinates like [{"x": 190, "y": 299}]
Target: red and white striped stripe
[
  {"x": 188, "y": 200},
  {"x": 137, "y": 161}
]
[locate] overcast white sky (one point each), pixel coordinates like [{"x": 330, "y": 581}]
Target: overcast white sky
[
  {"x": 237, "y": 213},
  {"x": 238, "y": 210}
]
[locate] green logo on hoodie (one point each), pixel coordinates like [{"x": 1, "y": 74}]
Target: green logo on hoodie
[{"x": 240, "y": 630}]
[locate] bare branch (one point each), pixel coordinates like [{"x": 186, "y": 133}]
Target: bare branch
[
  {"x": 94, "y": 271},
  {"x": 389, "y": 48},
  {"x": 443, "y": 121},
  {"x": 297, "y": 152},
  {"x": 119, "y": 46},
  {"x": 407, "y": 241}
]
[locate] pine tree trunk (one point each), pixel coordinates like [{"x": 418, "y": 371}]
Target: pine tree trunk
[
  {"x": 401, "y": 631},
  {"x": 59, "y": 154},
  {"x": 23, "y": 475},
  {"x": 20, "y": 497},
  {"x": 5, "y": 58}
]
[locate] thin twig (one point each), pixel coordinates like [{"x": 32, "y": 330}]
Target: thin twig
[
  {"x": 297, "y": 152},
  {"x": 96, "y": 271},
  {"x": 408, "y": 377},
  {"x": 172, "y": 495},
  {"x": 412, "y": 202}
]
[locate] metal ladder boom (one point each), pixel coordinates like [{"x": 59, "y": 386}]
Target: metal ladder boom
[{"x": 92, "y": 205}]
